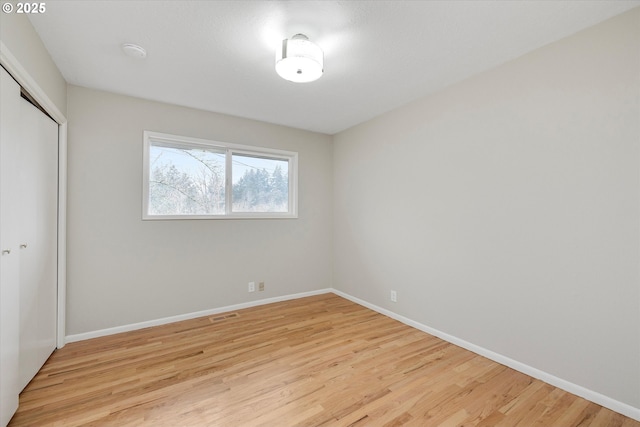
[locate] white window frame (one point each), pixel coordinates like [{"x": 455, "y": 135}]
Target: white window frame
[{"x": 230, "y": 149}]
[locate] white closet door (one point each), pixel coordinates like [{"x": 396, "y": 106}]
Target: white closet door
[
  {"x": 9, "y": 241},
  {"x": 38, "y": 244}
]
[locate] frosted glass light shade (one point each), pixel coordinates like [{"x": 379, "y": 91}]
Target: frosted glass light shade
[{"x": 299, "y": 60}]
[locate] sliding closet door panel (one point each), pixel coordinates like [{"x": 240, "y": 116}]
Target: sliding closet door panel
[
  {"x": 9, "y": 241},
  {"x": 38, "y": 245}
]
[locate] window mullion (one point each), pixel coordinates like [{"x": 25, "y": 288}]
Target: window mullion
[{"x": 227, "y": 182}]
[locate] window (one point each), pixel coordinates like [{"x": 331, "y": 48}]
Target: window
[{"x": 189, "y": 178}]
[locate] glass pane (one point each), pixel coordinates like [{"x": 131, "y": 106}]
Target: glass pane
[
  {"x": 186, "y": 181},
  {"x": 260, "y": 184}
]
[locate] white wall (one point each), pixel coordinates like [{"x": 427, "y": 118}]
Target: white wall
[
  {"x": 505, "y": 209},
  {"x": 20, "y": 38},
  {"x": 123, "y": 270}
]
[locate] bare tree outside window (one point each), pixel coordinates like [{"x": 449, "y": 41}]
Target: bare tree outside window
[{"x": 186, "y": 181}]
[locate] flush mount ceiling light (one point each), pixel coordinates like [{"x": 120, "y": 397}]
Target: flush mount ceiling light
[
  {"x": 299, "y": 60},
  {"x": 134, "y": 50}
]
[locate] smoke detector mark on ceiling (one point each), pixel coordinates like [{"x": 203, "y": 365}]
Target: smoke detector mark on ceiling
[{"x": 134, "y": 51}]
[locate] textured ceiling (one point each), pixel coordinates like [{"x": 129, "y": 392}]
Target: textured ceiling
[{"x": 379, "y": 55}]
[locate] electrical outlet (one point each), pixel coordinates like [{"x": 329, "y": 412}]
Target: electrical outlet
[
  {"x": 261, "y": 286},
  {"x": 394, "y": 296},
  {"x": 252, "y": 286}
]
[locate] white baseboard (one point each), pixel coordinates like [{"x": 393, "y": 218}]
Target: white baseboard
[
  {"x": 187, "y": 316},
  {"x": 578, "y": 390}
]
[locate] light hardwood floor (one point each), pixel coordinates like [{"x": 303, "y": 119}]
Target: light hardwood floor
[{"x": 317, "y": 361}]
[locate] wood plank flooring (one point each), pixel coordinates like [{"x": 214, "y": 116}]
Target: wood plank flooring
[{"x": 317, "y": 361}]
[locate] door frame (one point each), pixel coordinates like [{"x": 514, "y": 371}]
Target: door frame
[{"x": 20, "y": 74}]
